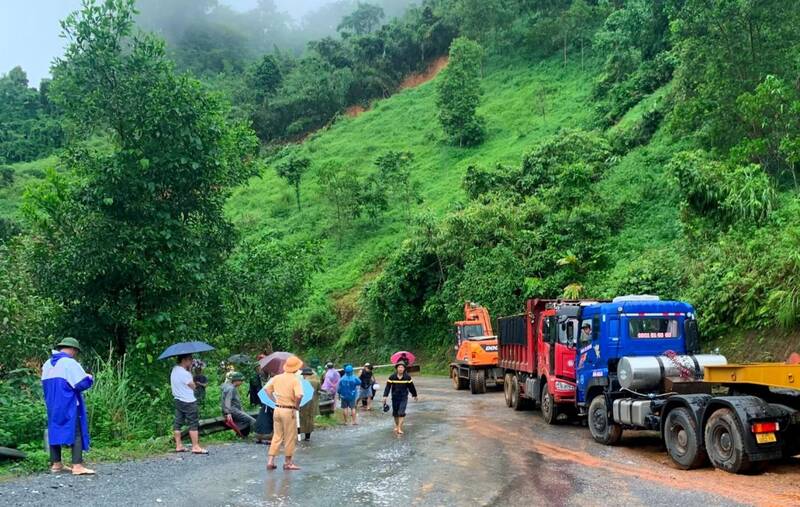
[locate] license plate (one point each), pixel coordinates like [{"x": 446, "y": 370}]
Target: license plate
[{"x": 766, "y": 438}]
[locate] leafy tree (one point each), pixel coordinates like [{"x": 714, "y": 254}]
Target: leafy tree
[
  {"x": 292, "y": 168},
  {"x": 727, "y": 48},
  {"x": 29, "y": 128},
  {"x": 342, "y": 189},
  {"x": 266, "y": 77},
  {"x": 362, "y": 21},
  {"x": 129, "y": 232},
  {"x": 458, "y": 94},
  {"x": 373, "y": 197},
  {"x": 394, "y": 170},
  {"x": 265, "y": 279}
]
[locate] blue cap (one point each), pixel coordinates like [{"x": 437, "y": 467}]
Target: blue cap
[{"x": 348, "y": 368}]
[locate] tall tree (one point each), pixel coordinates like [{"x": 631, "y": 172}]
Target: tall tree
[
  {"x": 127, "y": 235},
  {"x": 292, "y": 169},
  {"x": 362, "y": 21},
  {"x": 458, "y": 94}
]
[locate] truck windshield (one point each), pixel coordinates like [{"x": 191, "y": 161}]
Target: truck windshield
[
  {"x": 653, "y": 327},
  {"x": 472, "y": 331}
]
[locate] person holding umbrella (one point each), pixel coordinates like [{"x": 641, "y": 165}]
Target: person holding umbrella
[
  {"x": 287, "y": 392},
  {"x": 309, "y": 412},
  {"x": 183, "y": 387},
  {"x": 63, "y": 382},
  {"x": 400, "y": 384}
]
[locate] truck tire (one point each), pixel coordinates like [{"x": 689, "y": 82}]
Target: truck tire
[
  {"x": 459, "y": 384},
  {"x": 477, "y": 381},
  {"x": 548, "y": 406},
  {"x": 507, "y": 388},
  {"x": 682, "y": 439},
  {"x": 725, "y": 444},
  {"x": 517, "y": 401},
  {"x": 603, "y": 429}
]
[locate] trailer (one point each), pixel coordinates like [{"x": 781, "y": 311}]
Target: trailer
[
  {"x": 537, "y": 356},
  {"x": 638, "y": 369}
]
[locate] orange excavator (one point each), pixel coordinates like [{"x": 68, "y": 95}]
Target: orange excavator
[{"x": 475, "y": 365}]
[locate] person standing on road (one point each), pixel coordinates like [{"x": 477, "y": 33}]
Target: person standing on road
[
  {"x": 308, "y": 413},
  {"x": 400, "y": 384},
  {"x": 348, "y": 392},
  {"x": 287, "y": 391},
  {"x": 366, "y": 393},
  {"x": 63, "y": 382},
  {"x": 232, "y": 405},
  {"x": 200, "y": 382},
  {"x": 331, "y": 380},
  {"x": 183, "y": 387}
]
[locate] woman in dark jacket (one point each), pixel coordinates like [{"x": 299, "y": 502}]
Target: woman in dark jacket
[{"x": 400, "y": 384}]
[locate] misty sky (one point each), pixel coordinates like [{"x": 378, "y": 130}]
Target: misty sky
[{"x": 29, "y": 30}]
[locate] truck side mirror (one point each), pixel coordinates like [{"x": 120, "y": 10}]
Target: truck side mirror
[{"x": 691, "y": 334}]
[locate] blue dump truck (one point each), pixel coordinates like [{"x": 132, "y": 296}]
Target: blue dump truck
[{"x": 638, "y": 367}]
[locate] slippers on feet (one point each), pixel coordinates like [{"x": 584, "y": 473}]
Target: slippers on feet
[
  {"x": 271, "y": 467},
  {"x": 201, "y": 451},
  {"x": 291, "y": 467},
  {"x": 181, "y": 450},
  {"x": 54, "y": 470},
  {"x": 85, "y": 471}
]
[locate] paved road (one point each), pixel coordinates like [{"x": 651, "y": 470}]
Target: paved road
[{"x": 458, "y": 449}]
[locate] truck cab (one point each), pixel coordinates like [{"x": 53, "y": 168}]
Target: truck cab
[{"x": 629, "y": 326}]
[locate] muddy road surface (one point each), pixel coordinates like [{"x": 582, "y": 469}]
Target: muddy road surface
[{"x": 458, "y": 449}]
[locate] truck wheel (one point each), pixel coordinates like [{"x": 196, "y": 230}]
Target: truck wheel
[
  {"x": 549, "y": 408},
  {"x": 682, "y": 440},
  {"x": 459, "y": 383},
  {"x": 507, "y": 388},
  {"x": 477, "y": 381},
  {"x": 725, "y": 443},
  {"x": 480, "y": 378},
  {"x": 517, "y": 402},
  {"x": 603, "y": 429}
]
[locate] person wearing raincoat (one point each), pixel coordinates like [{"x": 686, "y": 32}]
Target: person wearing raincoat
[
  {"x": 308, "y": 412},
  {"x": 63, "y": 382}
]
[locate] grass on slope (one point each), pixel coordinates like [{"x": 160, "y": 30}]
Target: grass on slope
[
  {"x": 24, "y": 173},
  {"x": 523, "y": 103}
]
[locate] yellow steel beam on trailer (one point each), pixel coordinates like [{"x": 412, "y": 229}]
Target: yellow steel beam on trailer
[{"x": 780, "y": 375}]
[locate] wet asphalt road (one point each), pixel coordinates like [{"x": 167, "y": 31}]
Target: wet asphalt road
[{"x": 458, "y": 449}]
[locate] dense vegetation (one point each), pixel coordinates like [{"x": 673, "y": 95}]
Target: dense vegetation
[{"x": 571, "y": 148}]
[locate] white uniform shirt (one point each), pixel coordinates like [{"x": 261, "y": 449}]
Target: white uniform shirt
[{"x": 180, "y": 380}]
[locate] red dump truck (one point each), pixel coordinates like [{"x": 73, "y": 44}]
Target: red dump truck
[{"x": 537, "y": 356}]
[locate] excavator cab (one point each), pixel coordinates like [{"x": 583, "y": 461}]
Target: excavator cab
[{"x": 475, "y": 364}]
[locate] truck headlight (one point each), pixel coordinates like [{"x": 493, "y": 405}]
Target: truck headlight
[{"x": 563, "y": 386}]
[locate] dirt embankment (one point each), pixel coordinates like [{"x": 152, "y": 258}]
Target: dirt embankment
[{"x": 411, "y": 81}]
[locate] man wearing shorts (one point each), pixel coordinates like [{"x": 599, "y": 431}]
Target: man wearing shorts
[
  {"x": 348, "y": 392},
  {"x": 186, "y": 413}
]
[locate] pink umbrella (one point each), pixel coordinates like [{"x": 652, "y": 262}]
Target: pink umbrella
[
  {"x": 405, "y": 356},
  {"x": 273, "y": 363}
]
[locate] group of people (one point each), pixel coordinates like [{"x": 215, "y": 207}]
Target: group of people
[
  {"x": 64, "y": 380},
  {"x": 352, "y": 390}
]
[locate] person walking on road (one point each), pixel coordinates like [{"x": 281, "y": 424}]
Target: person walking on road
[
  {"x": 287, "y": 391},
  {"x": 399, "y": 384},
  {"x": 348, "y": 392},
  {"x": 63, "y": 383},
  {"x": 331, "y": 380},
  {"x": 183, "y": 387},
  {"x": 232, "y": 405},
  {"x": 366, "y": 393},
  {"x": 308, "y": 413}
]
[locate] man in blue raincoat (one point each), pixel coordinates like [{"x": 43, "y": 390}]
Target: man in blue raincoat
[{"x": 63, "y": 381}]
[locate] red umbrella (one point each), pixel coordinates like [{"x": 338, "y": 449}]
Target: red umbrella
[
  {"x": 273, "y": 363},
  {"x": 405, "y": 356}
]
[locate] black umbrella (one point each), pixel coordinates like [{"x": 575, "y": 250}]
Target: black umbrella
[
  {"x": 240, "y": 359},
  {"x": 183, "y": 348}
]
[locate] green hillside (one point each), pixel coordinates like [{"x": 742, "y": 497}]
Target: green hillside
[{"x": 525, "y": 101}]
